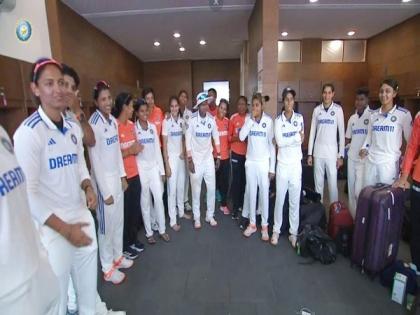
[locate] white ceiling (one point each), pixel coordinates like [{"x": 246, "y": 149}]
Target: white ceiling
[{"x": 137, "y": 24}]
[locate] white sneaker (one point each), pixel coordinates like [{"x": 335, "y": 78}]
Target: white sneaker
[
  {"x": 293, "y": 240},
  {"x": 111, "y": 312},
  {"x": 275, "y": 238},
  {"x": 264, "y": 234},
  {"x": 197, "y": 224},
  {"x": 115, "y": 276},
  {"x": 155, "y": 226},
  {"x": 251, "y": 229},
  {"x": 123, "y": 263},
  {"x": 211, "y": 221},
  {"x": 101, "y": 309}
]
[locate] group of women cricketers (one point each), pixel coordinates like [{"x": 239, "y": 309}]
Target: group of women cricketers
[{"x": 135, "y": 148}]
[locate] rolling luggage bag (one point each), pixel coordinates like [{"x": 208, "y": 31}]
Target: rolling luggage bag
[
  {"x": 339, "y": 217},
  {"x": 377, "y": 232}
]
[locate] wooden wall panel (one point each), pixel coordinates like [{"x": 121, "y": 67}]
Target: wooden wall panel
[{"x": 167, "y": 78}]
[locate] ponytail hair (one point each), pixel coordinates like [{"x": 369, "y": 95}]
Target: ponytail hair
[
  {"x": 121, "y": 100},
  {"x": 262, "y": 99}
]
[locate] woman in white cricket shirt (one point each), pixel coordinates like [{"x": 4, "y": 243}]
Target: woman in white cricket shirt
[
  {"x": 152, "y": 172},
  {"x": 174, "y": 157},
  {"x": 289, "y": 133},
  {"x": 260, "y": 162},
  {"x": 382, "y": 146},
  {"x": 109, "y": 174},
  {"x": 328, "y": 155},
  {"x": 198, "y": 141},
  {"x": 52, "y": 159},
  {"x": 28, "y": 284}
]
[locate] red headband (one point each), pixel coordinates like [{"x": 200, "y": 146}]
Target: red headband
[{"x": 44, "y": 63}]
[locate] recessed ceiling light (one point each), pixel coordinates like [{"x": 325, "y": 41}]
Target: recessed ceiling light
[
  {"x": 313, "y": 1},
  {"x": 156, "y": 43},
  {"x": 405, "y": 1},
  {"x": 177, "y": 35},
  {"x": 202, "y": 42},
  {"x": 181, "y": 49},
  {"x": 351, "y": 33},
  {"x": 284, "y": 34}
]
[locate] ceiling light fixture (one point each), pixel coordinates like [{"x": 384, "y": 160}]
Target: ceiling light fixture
[
  {"x": 351, "y": 33},
  {"x": 182, "y": 49},
  {"x": 313, "y": 1},
  {"x": 202, "y": 42},
  {"x": 405, "y": 1},
  {"x": 177, "y": 35},
  {"x": 284, "y": 34},
  {"x": 156, "y": 43}
]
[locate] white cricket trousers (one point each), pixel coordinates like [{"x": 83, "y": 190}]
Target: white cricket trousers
[
  {"x": 39, "y": 295},
  {"x": 151, "y": 185},
  {"x": 203, "y": 170},
  {"x": 329, "y": 166},
  {"x": 175, "y": 186},
  {"x": 257, "y": 177},
  {"x": 355, "y": 178},
  {"x": 186, "y": 182},
  {"x": 385, "y": 173},
  {"x": 79, "y": 262},
  {"x": 288, "y": 178},
  {"x": 110, "y": 225},
  {"x": 100, "y": 307},
  {"x": 245, "y": 208}
]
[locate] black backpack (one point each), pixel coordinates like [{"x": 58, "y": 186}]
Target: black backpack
[
  {"x": 343, "y": 240},
  {"x": 314, "y": 242}
]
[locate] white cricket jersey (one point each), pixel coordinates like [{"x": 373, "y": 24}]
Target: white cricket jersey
[
  {"x": 260, "y": 140},
  {"x": 151, "y": 155},
  {"x": 199, "y": 134},
  {"x": 323, "y": 134},
  {"x": 173, "y": 130},
  {"x": 105, "y": 156},
  {"x": 384, "y": 137},
  {"x": 54, "y": 165},
  {"x": 357, "y": 130},
  {"x": 19, "y": 240},
  {"x": 288, "y": 139}
]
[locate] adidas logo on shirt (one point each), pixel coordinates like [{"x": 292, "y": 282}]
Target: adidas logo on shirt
[{"x": 51, "y": 141}]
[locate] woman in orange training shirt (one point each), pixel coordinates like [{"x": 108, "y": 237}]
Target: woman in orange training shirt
[
  {"x": 238, "y": 153},
  {"x": 411, "y": 165},
  {"x": 123, "y": 111},
  {"x": 222, "y": 174}
]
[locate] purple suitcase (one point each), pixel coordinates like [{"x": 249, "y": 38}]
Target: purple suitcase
[{"x": 378, "y": 223}]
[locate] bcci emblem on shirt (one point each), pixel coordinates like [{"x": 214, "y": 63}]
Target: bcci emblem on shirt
[
  {"x": 73, "y": 138},
  {"x": 394, "y": 118},
  {"x": 7, "y": 145},
  {"x": 332, "y": 113},
  {"x": 264, "y": 125},
  {"x": 366, "y": 121},
  {"x": 295, "y": 123}
]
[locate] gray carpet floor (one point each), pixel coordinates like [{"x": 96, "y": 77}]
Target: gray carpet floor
[{"x": 218, "y": 271}]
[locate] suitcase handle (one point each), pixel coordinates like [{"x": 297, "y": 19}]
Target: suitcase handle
[{"x": 379, "y": 185}]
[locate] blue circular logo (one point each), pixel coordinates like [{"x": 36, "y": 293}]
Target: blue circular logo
[
  {"x": 7, "y": 145},
  {"x": 332, "y": 113},
  {"x": 151, "y": 131},
  {"x": 73, "y": 138},
  {"x": 295, "y": 123},
  {"x": 394, "y": 118},
  {"x": 209, "y": 125},
  {"x": 264, "y": 125},
  {"x": 366, "y": 121},
  {"x": 24, "y": 30}
]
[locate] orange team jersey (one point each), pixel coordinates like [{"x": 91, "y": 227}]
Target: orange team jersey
[
  {"x": 156, "y": 117},
  {"x": 236, "y": 123},
  {"x": 412, "y": 152},
  {"x": 213, "y": 112},
  {"x": 127, "y": 136},
  {"x": 223, "y": 129}
]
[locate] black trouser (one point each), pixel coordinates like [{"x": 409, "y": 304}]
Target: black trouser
[
  {"x": 238, "y": 181},
  {"x": 132, "y": 211},
  {"x": 222, "y": 180},
  {"x": 415, "y": 224}
]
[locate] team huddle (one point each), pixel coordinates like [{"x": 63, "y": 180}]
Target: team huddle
[{"x": 135, "y": 150}]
